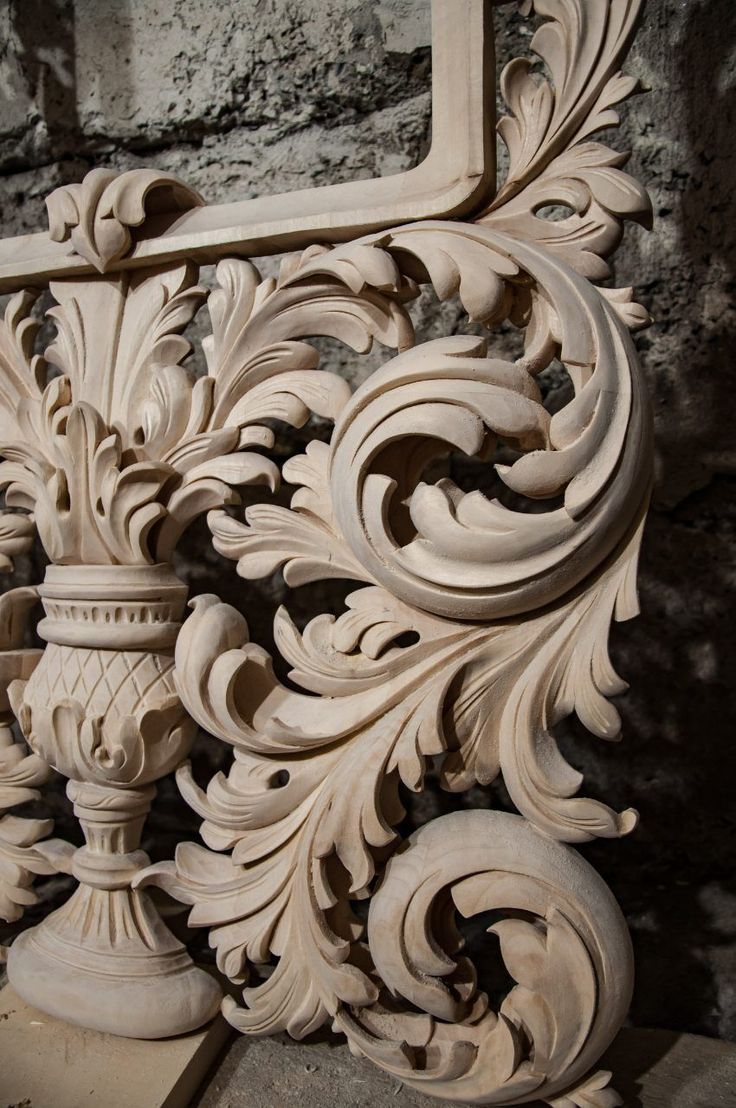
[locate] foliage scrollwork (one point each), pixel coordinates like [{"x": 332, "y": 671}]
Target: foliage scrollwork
[{"x": 478, "y": 624}]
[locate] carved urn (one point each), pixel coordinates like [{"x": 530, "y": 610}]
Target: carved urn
[{"x": 102, "y": 708}]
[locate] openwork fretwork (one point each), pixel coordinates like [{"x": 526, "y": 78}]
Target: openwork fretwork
[{"x": 112, "y": 447}]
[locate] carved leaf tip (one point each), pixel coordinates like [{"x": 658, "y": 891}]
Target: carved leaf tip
[
  {"x": 593, "y": 1092},
  {"x": 21, "y": 855},
  {"x": 98, "y": 213},
  {"x": 547, "y": 131},
  {"x": 16, "y": 537}
]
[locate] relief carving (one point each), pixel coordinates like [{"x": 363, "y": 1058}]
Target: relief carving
[
  {"x": 476, "y": 626},
  {"x": 98, "y": 214}
]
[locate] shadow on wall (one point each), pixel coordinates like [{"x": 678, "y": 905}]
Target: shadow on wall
[
  {"x": 47, "y": 36},
  {"x": 45, "y": 33},
  {"x": 706, "y": 216},
  {"x": 676, "y": 876}
]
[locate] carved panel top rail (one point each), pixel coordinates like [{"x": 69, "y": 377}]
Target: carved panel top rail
[{"x": 456, "y": 177}]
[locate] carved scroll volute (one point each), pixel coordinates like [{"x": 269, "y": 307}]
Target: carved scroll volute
[{"x": 101, "y": 215}]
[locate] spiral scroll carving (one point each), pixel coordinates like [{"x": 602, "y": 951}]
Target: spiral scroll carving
[
  {"x": 565, "y": 944},
  {"x": 471, "y": 558}
]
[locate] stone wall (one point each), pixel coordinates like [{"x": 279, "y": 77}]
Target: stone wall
[{"x": 257, "y": 96}]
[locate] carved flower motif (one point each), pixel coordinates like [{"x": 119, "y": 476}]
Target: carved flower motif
[{"x": 97, "y": 214}]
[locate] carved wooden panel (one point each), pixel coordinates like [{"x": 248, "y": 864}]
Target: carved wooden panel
[{"x": 112, "y": 447}]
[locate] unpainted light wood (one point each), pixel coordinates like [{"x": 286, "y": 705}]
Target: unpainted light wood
[
  {"x": 48, "y": 1063},
  {"x": 476, "y": 625}
]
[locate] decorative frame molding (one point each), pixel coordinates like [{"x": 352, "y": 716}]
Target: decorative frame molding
[
  {"x": 455, "y": 178},
  {"x": 111, "y": 448}
]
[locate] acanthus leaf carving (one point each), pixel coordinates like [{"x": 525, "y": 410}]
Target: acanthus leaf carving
[
  {"x": 597, "y": 435},
  {"x": 98, "y": 214},
  {"x": 552, "y": 161},
  {"x": 163, "y": 447},
  {"x": 21, "y": 371},
  {"x": 25, "y": 850},
  {"x": 592, "y": 1092},
  {"x": 309, "y": 809},
  {"x": 302, "y": 540},
  {"x": 384, "y": 718},
  {"x": 17, "y": 532}
]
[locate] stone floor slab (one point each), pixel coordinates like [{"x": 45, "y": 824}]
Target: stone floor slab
[{"x": 654, "y": 1069}]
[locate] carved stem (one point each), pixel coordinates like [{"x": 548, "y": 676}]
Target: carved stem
[{"x": 112, "y": 820}]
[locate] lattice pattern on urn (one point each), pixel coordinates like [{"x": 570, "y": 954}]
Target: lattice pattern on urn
[{"x": 509, "y": 610}]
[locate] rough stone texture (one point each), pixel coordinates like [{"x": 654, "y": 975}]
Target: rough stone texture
[
  {"x": 258, "y": 96},
  {"x": 654, "y": 1069}
]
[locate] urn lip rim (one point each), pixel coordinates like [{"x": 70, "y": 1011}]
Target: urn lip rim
[
  {"x": 95, "y": 570},
  {"x": 111, "y": 582},
  {"x": 117, "y": 607}
]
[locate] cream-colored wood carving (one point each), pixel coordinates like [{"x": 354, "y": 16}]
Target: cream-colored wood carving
[
  {"x": 507, "y": 609},
  {"x": 98, "y": 215}
]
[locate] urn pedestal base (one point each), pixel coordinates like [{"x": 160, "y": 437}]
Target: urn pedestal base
[
  {"x": 106, "y": 960},
  {"x": 143, "y": 987}
]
